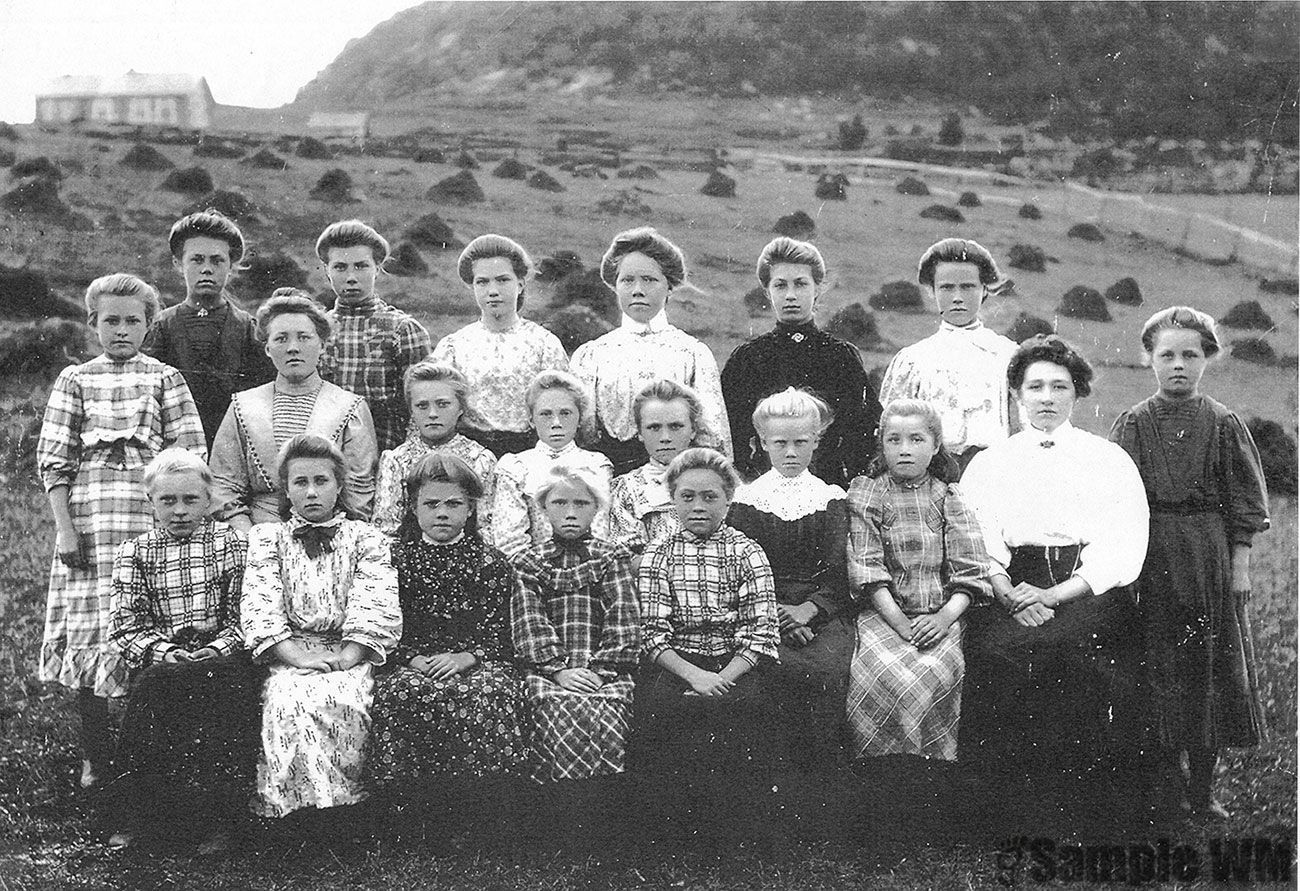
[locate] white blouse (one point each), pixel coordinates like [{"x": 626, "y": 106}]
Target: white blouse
[
  {"x": 518, "y": 522},
  {"x": 617, "y": 366},
  {"x": 1080, "y": 490}
]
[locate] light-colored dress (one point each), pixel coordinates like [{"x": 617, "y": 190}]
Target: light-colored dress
[
  {"x": 104, "y": 422},
  {"x": 390, "y": 493},
  {"x": 518, "y": 521},
  {"x": 315, "y": 724},
  {"x": 640, "y": 508}
]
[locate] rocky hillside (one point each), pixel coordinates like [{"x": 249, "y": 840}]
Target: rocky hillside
[{"x": 1222, "y": 70}]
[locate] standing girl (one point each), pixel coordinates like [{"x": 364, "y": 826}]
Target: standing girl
[
  {"x": 106, "y": 419},
  {"x": 1206, "y": 490}
]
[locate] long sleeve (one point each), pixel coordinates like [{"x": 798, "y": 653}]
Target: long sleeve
[
  {"x": 831, "y": 596},
  {"x": 857, "y": 416},
  {"x": 181, "y": 424},
  {"x": 1117, "y": 521},
  {"x": 982, "y": 487},
  {"x": 136, "y": 626},
  {"x": 231, "y": 484},
  {"x": 657, "y": 603},
  {"x": 899, "y": 381},
  {"x": 866, "y": 543},
  {"x": 373, "y": 617},
  {"x": 1246, "y": 491},
  {"x": 234, "y": 557},
  {"x": 738, "y": 392},
  {"x": 58, "y": 451},
  {"x": 390, "y": 494},
  {"x": 967, "y": 560},
  {"x": 553, "y": 355},
  {"x": 757, "y": 626},
  {"x": 510, "y": 519},
  {"x": 262, "y": 615},
  {"x": 707, "y": 383},
  {"x": 362, "y": 453},
  {"x": 413, "y": 345},
  {"x": 535, "y": 638},
  {"x": 620, "y": 635}
]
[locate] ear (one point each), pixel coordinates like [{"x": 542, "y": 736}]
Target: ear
[{"x": 176, "y": 263}]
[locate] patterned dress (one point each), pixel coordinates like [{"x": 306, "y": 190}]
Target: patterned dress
[
  {"x": 315, "y": 724},
  {"x": 1206, "y": 490},
  {"x": 594, "y": 625},
  {"x": 104, "y": 422},
  {"x": 455, "y": 599},
  {"x": 802, "y": 523},
  {"x": 518, "y": 521},
  {"x": 640, "y": 508},
  {"x": 390, "y": 492},
  {"x": 919, "y": 540}
]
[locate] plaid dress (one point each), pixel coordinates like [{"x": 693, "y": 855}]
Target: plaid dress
[
  {"x": 592, "y": 624},
  {"x": 390, "y": 492},
  {"x": 919, "y": 540},
  {"x": 104, "y": 422}
]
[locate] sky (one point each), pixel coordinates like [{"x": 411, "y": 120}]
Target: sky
[{"x": 252, "y": 52}]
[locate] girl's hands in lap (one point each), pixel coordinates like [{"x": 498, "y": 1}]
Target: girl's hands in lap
[
  {"x": 798, "y": 636},
  {"x": 928, "y": 630},
  {"x": 1034, "y": 615},
  {"x": 710, "y": 683},
  {"x": 579, "y": 680}
]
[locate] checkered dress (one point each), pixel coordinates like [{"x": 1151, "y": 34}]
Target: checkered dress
[
  {"x": 592, "y": 625},
  {"x": 104, "y": 422}
]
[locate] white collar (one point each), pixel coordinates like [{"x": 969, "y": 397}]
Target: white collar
[
  {"x": 964, "y": 329},
  {"x": 788, "y": 498},
  {"x": 654, "y": 326},
  {"x": 1035, "y": 436},
  {"x": 551, "y": 454}
]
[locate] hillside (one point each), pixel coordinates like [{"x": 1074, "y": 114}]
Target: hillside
[{"x": 1207, "y": 70}]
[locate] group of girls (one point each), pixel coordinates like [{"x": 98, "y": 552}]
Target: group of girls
[{"x": 512, "y": 604}]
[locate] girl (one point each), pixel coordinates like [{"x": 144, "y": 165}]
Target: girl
[
  {"x": 802, "y": 523},
  {"x": 438, "y": 396},
  {"x": 106, "y": 419},
  {"x": 452, "y": 709},
  {"x": 557, "y": 405},
  {"x": 1206, "y": 489},
  {"x": 917, "y": 559},
  {"x": 669, "y": 419},
  {"x": 320, "y": 607},
  {"x": 501, "y": 352}
]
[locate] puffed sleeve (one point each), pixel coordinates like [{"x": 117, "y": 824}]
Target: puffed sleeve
[
  {"x": 231, "y": 483},
  {"x": 707, "y": 383},
  {"x": 757, "y": 633},
  {"x": 968, "y": 561},
  {"x": 1247, "y": 493},
  {"x": 510, "y": 521},
  {"x": 982, "y": 486},
  {"x": 262, "y": 615},
  {"x": 413, "y": 344},
  {"x": 553, "y": 355},
  {"x": 134, "y": 620},
  {"x": 899, "y": 381},
  {"x": 534, "y": 635},
  {"x": 832, "y": 593},
  {"x": 866, "y": 543},
  {"x": 362, "y": 453},
  {"x": 58, "y": 451},
  {"x": 181, "y": 424},
  {"x": 602, "y": 465},
  {"x": 390, "y": 495},
  {"x": 1116, "y": 518},
  {"x": 656, "y": 594},
  {"x": 620, "y": 635},
  {"x": 373, "y": 616},
  {"x": 740, "y": 397}
]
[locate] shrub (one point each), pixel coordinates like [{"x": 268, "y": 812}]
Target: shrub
[
  {"x": 460, "y": 188},
  {"x": 466, "y": 161},
  {"x": 429, "y": 156},
  {"x": 623, "y": 203},
  {"x": 796, "y": 225},
  {"x": 1030, "y": 211},
  {"x": 584, "y": 287},
  {"x": 558, "y": 265},
  {"x": 265, "y": 159},
  {"x": 1083, "y": 302},
  {"x": 25, "y": 294},
  {"x": 640, "y": 171},
  {"x": 1254, "y": 349},
  {"x": 510, "y": 168},
  {"x": 1125, "y": 291},
  {"x": 943, "y": 213},
  {"x": 1028, "y": 257},
  {"x": 1277, "y": 452},
  {"x": 188, "y": 181},
  {"x": 39, "y": 166},
  {"x": 544, "y": 181},
  {"x": 43, "y": 347},
  {"x": 431, "y": 233},
  {"x": 1247, "y": 314},
  {"x": 263, "y": 273},
  {"x": 215, "y": 148},
  {"x": 1026, "y": 326},
  {"x": 313, "y": 149},
  {"x": 910, "y": 185},
  {"x": 1097, "y": 162},
  {"x": 951, "y": 131},
  {"x": 854, "y": 324},
  {"x": 969, "y": 199},
  {"x": 756, "y": 302},
  {"x": 39, "y": 196},
  {"x": 852, "y": 134},
  {"x": 232, "y": 204},
  {"x": 143, "y": 156},
  {"x": 575, "y": 325},
  {"x": 899, "y": 296},
  {"x": 719, "y": 185},
  {"x": 1086, "y": 232},
  {"x": 335, "y": 186},
  {"x": 406, "y": 260},
  {"x": 1280, "y": 286},
  {"x": 832, "y": 187}
]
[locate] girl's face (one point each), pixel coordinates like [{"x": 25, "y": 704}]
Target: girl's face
[
  {"x": 497, "y": 289},
  {"x": 793, "y": 293},
  {"x": 435, "y": 411},
  {"x": 180, "y": 502},
  {"x": 789, "y": 443},
  {"x": 352, "y": 272},
  {"x": 1179, "y": 360},
  {"x": 442, "y": 510},
  {"x": 313, "y": 488},
  {"x": 555, "y": 417},
  {"x": 908, "y": 446},
  {"x": 701, "y": 501},
  {"x": 666, "y": 429},
  {"x": 1047, "y": 394},
  {"x": 641, "y": 287},
  {"x": 570, "y": 507},
  {"x": 121, "y": 326},
  {"x": 294, "y": 346},
  {"x": 205, "y": 263},
  {"x": 958, "y": 292}
]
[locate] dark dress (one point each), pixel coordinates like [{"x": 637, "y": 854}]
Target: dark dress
[
  {"x": 803, "y": 356},
  {"x": 1206, "y": 489},
  {"x": 455, "y": 598}
]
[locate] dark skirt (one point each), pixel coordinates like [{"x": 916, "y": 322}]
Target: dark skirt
[
  {"x": 190, "y": 741},
  {"x": 1062, "y": 696},
  {"x": 810, "y": 686},
  {"x": 503, "y": 442}
]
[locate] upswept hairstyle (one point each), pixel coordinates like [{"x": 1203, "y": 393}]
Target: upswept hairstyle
[
  {"x": 703, "y": 459},
  {"x": 352, "y": 233},
  {"x": 665, "y": 390},
  {"x": 121, "y": 284},
  {"x": 644, "y": 240},
  {"x": 559, "y": 380},
  {"x": 440, "y": 467},
  {"x": 787, "y": 250},
  {"x": 958, "y": 250},
  {"x": 1186, "y": 318},
  {"x": 942, "y": 466},
  {"x": 595, "y": 483},
  {"x": 793, "y": 402},
  {"x": 210, "y": 223},
  {"x": 486, "y": 247},
  {"x": 310, "y": 446},
  {"x": 1050, "y": 348},
  {"x": 430, "y": 371},
  {"x": 174, "y": 460},
  {"x": 291, "y": 301}
]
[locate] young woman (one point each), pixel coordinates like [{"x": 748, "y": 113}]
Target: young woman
[
  {"x": 438, "y": 396},
  {"x": 643, "y": 268},
  {"x": 557, "y": 405},
  {"x": 106, "y": 419},
  {"x": 320, "y": 607},
  {"x": 1206, "y": 489},
  {"x": 502, "y": 352}
]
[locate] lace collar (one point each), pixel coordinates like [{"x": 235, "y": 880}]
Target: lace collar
[{"x": 789, "y": 498}]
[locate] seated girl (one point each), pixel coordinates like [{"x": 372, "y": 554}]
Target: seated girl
[
  {"x": 188, "y": 745},
  {"x": 557, "y": 406},
  {"x": 438, "y": 397},
  {"x": 453, "y": 707},
  {"x": 320, "y": 607},
  {"x": 801, "y": 523}
]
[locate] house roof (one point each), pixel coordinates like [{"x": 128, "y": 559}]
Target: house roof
[{"x": 133, "y": 83}]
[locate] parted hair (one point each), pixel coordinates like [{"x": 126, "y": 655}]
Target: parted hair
[
  {"x": 176, "y": 460},
  {"x": 559, "y": 380},
  {"x": 122, "y": 284},
  {"x": 703, "y": 459},
  {"x": 485, "y": 247},
  {"x": 352, "y": 233},
  {"x": 440, "y": 467},
  {"x": 644, "y": 240},
  {"x": 958, "y": 250},
  {"x": 1050, "y": 348},
  {"x": 666, "y": 390},
  {"x": 291, "y": 301},
  {"x": 210, "y": 223},
  {"x": 793, "y": 402},
  {"x": 1186, "y": 318},
  {"x": 587, "y": 477},
  {"x": 784, "y": 249},
  {"x": 942, "y": 466}
]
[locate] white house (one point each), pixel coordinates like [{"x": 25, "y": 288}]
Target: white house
[{"x": 157, "y": 100}]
